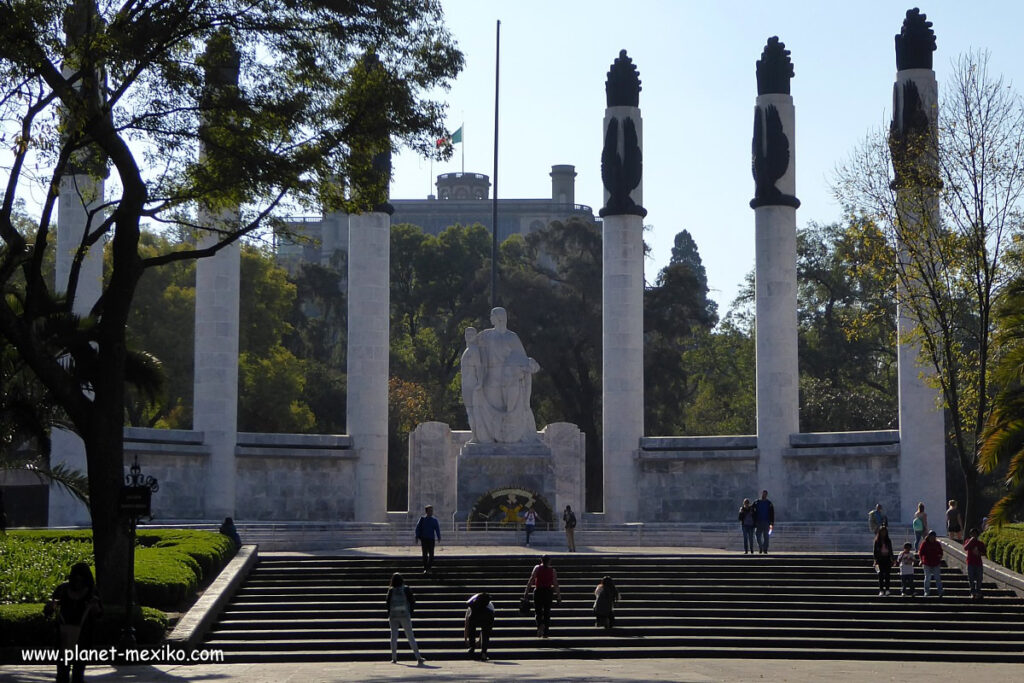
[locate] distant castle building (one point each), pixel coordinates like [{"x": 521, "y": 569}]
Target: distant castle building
[{"x": 462, "y": 198}]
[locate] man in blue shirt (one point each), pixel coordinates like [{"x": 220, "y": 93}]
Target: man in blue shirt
[
  {"x": 427, "y": 531},
  {"x": 764, "y": 520}
]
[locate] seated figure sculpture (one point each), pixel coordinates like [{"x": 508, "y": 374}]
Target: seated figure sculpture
[{"x": 497, "y": 378}]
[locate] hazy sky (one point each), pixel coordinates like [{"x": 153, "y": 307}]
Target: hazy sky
[{"x": 696, "y": 63}]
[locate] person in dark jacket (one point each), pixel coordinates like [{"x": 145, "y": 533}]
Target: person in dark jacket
[
  {"x": 76, "y": 604},
  {"x": 764, "y": 521},
  {"x": 228, "y": 529},
  {"x": 884, "y": 559},
  {"x": 606, "y": 596},
  {"x": 428, "y": 531},
  {"x": 747, "y": 525},
  {"x": 479, "y": 615},
  {"x": 400, "y": 604}
]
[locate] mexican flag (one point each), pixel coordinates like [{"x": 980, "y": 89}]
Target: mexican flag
[{"x": 451, "y": 139}]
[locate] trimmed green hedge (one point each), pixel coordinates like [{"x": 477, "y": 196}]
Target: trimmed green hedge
[
  {"x": 1006, "y": 546},
  {"x": 24, "y": 625},
  {"x": 169, "y": 566}
]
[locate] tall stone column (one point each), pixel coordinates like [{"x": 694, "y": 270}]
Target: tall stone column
[
  {"x": 78, "y": 213},
  {"x": 775, "y": 205},
  {"x": 369, "y": 328},
  {"x": 622, "y": 327},
  {"x": 914, "y": 146},
  {"x": 215, "y": 383}
]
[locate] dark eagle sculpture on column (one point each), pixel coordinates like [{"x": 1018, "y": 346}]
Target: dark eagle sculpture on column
[
  {"x": 621, "y": 174},
  {"x": 769, "y": 159}
]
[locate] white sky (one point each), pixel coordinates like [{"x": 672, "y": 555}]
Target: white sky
[{"x": 696, "y": 63}]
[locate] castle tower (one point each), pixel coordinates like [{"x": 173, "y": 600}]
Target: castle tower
[
  {"x": 775, "y": 205},
  {"x": 914, "y": 147},
  {"x": 622, "y": 331}
]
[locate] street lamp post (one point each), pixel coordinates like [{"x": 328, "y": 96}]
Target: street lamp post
[{"x": 136, "y": 495}]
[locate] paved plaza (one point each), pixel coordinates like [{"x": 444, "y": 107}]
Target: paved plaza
[{"x": 695, "y": 670}]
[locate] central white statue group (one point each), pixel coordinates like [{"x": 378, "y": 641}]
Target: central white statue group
[{"x": 497, "y": 379}]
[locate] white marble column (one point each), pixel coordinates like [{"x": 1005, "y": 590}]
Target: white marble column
[
  {"x": 215, "y": 384},
  {"x": 369, "y": 318},
  {"x": 77, "y": 207},
  {"x": 775, "y": 203},
  {"x": 622, "y": 317},
  {"x": 218, "y": 286},
  {"x": 921, "y": 419}
]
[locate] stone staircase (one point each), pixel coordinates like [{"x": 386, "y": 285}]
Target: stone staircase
[{"x": 820, "y": 606}]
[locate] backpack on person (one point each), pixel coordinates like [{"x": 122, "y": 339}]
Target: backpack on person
[
  {"x": 570, "y": 520},
  {"x": 918, "y": 524},
  {"x": 874, "y": 521}
]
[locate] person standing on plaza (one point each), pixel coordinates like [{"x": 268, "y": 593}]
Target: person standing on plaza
[
  {"x": 747, "y": 525},
  {"x": 428, "y": 531},
  {"x": 479, "y": 615},
  {"x": 906, "y": 565},
  {"x": 764, "y": 521},
  {"x": 883, "y": 559},
  {"x": 976, "y": 550},
  {"x": 930, "y": 553},
  {"x": 920, "y": 525},
  {"x": 569, "y": 520},
  {"x": 544, "y": 580},
  {"x": 401, "y": 603},
  {"x": 954, "y": 522},
  {"x": 530, "y": 522}
]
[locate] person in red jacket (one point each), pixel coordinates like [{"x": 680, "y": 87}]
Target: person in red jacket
[
  {"x": 544, "y": 580},
  {"x": 930, "y": 553},
  {"x": 975, "y": 549}
]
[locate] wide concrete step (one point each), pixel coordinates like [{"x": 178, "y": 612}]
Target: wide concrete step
[
  {"x": 356, "y": 637},
  {"x": 822, "y": 606}
]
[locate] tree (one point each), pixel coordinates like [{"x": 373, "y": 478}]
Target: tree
[
  {"x": 1003, "y": 437},
  {"x": 551, "y": 284},
  {"x": 136, "y": 91},
  {"x": 847, "y": 338},
  {"x": 951, "y": 271},
  {"x": 677, "y": 311}
]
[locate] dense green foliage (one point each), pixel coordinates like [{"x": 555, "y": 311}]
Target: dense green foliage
[
  {"x": 1005, "y": 545},
  {"x": 25, "y": 625},
  {"x": 1003, "y": 438},
  {"x": 169, "y": 564},
  {"x": 31, "y": 567},
  {"x": 213, "y": 117}
]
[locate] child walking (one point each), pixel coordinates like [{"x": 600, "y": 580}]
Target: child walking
[{"x": 906, "y": 563}]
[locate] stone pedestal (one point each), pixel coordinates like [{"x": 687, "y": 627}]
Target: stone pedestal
[{"x": 484, "y": 469}]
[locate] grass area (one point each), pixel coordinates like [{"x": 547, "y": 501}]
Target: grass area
[
  {"x": 1006, "y": 546},
  {"x": 170, "y": 565}
]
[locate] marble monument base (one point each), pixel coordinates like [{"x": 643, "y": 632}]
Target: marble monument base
[
  {"x": 456, "y": 476},
  {"x": 496, "y": 483}
]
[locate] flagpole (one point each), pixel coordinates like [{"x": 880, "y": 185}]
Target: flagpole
[
  {"x": 463, "y": 129},
  {"x": 494, "y": 202}
]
